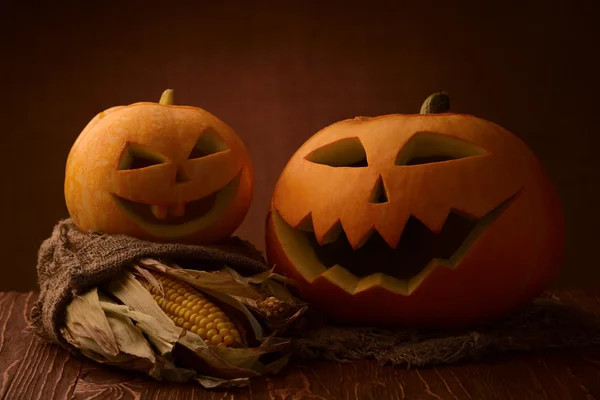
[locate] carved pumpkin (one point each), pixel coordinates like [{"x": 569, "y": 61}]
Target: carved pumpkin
[
  {"x": 432, "y": 219},
  {"x": 159, "y": 171}
]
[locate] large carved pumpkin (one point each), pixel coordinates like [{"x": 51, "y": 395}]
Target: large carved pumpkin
[
  {"x": 432, "y": 219},
  {"x": 160, "y": 172}
]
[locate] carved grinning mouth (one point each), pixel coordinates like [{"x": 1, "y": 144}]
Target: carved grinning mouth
[
  {"x": 418, "y": 252},
  {"x": 175, "y": 220},
  {"x": 170, "y": 215}
]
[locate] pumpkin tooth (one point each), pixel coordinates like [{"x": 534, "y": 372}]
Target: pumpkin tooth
[
  {"x": 159, "y": 212},
  {"x": 178, "y": 210}
]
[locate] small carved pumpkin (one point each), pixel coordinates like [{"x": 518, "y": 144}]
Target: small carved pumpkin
[
  {"x": 159, "y": 171},
  {"x": 433, "y": 219}
]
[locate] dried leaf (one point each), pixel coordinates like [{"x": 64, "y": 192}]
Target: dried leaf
[
  {"x": 88, "y": 327},
  {"x": 282, "y": 326},
  {"x": 217, "y": 280},
  {"x": 130, "y": 338},
  {"x": 129, "y": 362},
  {"x": 149, "y": 277},
  {"x": 255, "y": 279},
  {"x": 166, "y": 369},
  {"x": 210, "y": 382},
  {"x": 132, "y": 293},
  {"x": 248, "y": 357},
  {"x": 161, "y": 336},
  {"x": 208, "y": 354}
]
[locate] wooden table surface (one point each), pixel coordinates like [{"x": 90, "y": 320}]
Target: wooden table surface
[{"x": 32, "y": 369}]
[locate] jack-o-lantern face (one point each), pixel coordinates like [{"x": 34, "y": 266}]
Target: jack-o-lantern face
[
  {"x": 159, "y": 172},
  {"x": 441, "y": 219}
]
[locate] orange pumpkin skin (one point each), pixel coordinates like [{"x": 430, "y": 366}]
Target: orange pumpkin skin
[
  {"x": 159, "y": 172},
  {"x": 504, "y": 266}
]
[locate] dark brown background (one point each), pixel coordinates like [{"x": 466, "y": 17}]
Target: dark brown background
[{"x": 279, "y": 74}]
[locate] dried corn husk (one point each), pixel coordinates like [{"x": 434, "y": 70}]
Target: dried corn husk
[{"x": 120, "y": 324}]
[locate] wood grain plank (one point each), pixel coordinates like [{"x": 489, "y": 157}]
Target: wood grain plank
[
  {"x": 11, "y": 326},
  {"x": 102, "y": 382},
  {"x": 36, "y": 369},
  {"x": 528, "y": 376},
  {"x": 32, "y": 369}
]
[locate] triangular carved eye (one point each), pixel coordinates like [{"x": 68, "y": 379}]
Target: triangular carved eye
[
  {"x": 136, "y": 156},
  {"x": 347, "y": 152},
  {"x": 209, "y": 143},
  {"x": 426, "y": 147}
]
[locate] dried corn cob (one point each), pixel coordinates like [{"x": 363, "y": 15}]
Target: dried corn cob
[
  {"x": 272, "y": 306},
  {"x": 190, "y": 310}
]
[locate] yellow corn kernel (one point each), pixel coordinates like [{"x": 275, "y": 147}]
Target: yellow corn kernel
[
  {"x": 190, "y": 310},
  {"x": 224, "y": 332},
  {"x": 228, "y": 340},
  {"x": 204, "y": 312},
  {"x": 216, "y": 339},
  {"x": 211, "y": 333},
  {"x": 211, "y": 325}
]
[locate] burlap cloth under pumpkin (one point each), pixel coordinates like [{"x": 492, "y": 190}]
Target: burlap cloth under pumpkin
[{"x": 70, "y": 262}]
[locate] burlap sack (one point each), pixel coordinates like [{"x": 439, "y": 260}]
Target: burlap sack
[{"x": 70, "y": 262}]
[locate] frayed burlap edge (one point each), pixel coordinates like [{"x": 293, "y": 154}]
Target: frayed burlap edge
[{"x": 545, "y": 324}]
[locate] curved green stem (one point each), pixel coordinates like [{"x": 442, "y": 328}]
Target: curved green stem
[
  {"x": 167, "y": 98},
  {"x": 437, "y": 103}
]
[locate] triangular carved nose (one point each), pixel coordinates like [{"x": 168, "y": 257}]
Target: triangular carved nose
[{"x": 379, "y": 194}]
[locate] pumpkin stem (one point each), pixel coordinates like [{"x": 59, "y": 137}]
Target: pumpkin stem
[
  {"x": 167, "y": 97},
  {"x": 437, "y": 103}
]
